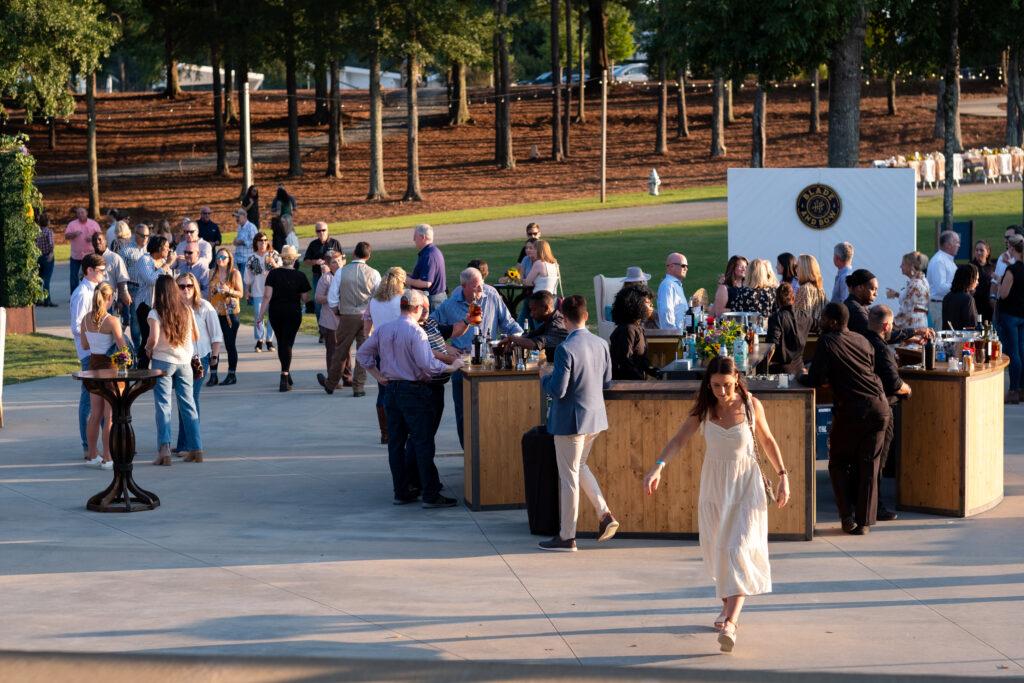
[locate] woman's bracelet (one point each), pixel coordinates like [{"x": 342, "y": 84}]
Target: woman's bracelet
[
  {"x": 659, "y": 461},
  {"x": 783, "y": 473}
]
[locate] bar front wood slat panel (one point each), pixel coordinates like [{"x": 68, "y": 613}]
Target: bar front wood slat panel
[
  {"x": 984, "y": 461},
  {"x": 640, "y": 426},
  {"x": 498, "y": 409},
  {"x": 951, "y": 460}
]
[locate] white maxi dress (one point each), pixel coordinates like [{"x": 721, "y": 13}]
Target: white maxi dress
[{"x": 733, "y": 512}]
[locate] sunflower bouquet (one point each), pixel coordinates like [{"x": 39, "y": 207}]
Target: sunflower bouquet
[
  {"x": 725, "y": 333},
  {"x": 513, "y": 276},
  {"x": 122, "y": 359}
]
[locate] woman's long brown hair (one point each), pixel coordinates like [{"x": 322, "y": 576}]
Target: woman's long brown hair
[
  {"x": 707, "y": 402},
  {"x": 217, "y": 269},
  {"x": 730, "y": 269},
  {"x": 175, "y": 318}
]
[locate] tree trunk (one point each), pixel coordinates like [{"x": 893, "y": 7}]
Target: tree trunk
[
  {"x": 717, "y": 115},
  {"x": 322, "y": 113},
  {"x": 556, "y": 81},
  {"x": 505, "y": 157},
  {"x": 90, "y": 145},
  {"x": 730, "y": 113},
  {"x": 412, "y": 149},
  {"x": 1013, "y": 94},
  {"x": 458, "y": 107},
  {"x": 661, "y": 134},
  {"x": 122, "y": 74},
  {"x": 758, "y": 135},
  {"x": 598, "y": 37},
  {"x": 581, "y": 109},
  {"x": 334, "y": 124},
  {"x": 218, "y": 113},
  {"x": 291, "y": 85},
  {"x": 939, "y": 130},
  {"x": 951, "y": 107},
  {"x": 890, "y": 93},
  {"x": 682, "y": 120},
  {"x": 814, "y": 126},
  {"x": 51, "y": 126},
  {"x": 844, "y": 82},
  {"x": 568, "y": 80},
  {"x": 171, "y": 90},
  {"x": 377, "y": 190},
  {"x": 230, "y": 110},
  {"x": 241, "y": 78}
]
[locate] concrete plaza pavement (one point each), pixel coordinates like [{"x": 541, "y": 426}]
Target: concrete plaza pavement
[{"x": 285, "y": 543}]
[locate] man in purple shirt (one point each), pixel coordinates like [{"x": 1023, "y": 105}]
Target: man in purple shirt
[
  {"x": 407, "y": 365},
  {"x": 428, "y": 275}
]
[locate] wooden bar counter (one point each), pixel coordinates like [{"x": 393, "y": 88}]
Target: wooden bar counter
[
  {"x": 643, "y": 416},
  {"x": 951, "y": 441},
  {"x": 499, "y": 406}
]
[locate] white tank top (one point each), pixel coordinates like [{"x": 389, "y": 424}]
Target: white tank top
[
  {"x": 99, "y": 342},
  {"x": 549, "y": 281}
]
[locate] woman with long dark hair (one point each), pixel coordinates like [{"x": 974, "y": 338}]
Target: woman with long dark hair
[
  {"x": 225, "y": 295},
  {"x": 628, "y": 342},
  {"x": 257, "y": 268},
  {"x": 730, "y": 285},
  {"x": 1011, "y": 315},
  {"x": 208, "y": 344},
  {"x": 733, "y": 506},
  {"x": 283, "y": 206},
  {"x": 958, "y": 309},
  {"x": 172, "y": 336},
  {"x": 982, "y": 260},
  {"x": 786, "y": 267},
  {"x": 251, "y": 203},
  {"x": 284, "y": 293}
]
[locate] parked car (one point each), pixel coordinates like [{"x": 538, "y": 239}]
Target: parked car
[{"x": 623, "y": 73}]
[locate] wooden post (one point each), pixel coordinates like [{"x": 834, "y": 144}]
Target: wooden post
[{"x": 604, "y": 135}]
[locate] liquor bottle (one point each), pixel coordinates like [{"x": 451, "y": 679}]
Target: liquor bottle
[
  {"x": 751, "y": 341},
  {"x": 929, "y": 355},
  {"x": 739, "y": 353},
  {"x": 478, "y": 341},
  {"x": 688, "y": 320},
  {"x": 723, "y": 351}
]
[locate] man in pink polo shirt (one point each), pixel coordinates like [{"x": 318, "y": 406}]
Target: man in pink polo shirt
[{"x": 79, "y": 235}]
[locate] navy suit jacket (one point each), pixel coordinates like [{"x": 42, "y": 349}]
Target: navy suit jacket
[{"x": 582, "y": 371}]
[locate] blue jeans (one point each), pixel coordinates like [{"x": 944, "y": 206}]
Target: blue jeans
[
  {"x": 46, "y": 264},
  {"x": 178, "y": 377},
  {"x": 83, "y": 407},
  {"x": 268, "y": 331},
  {"x": 410, "y": 411},
  {"x": 76, "y": 273},
  {"x": 196, "y": 388},
  {"x": 1011, "y": 333},
  {"x": 133, "y": 324}
]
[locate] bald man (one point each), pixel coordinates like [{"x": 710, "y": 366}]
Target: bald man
[{"x": 672, "y": 303}]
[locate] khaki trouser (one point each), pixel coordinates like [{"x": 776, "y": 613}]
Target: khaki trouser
[
  {"x": 571, "y": 452},
  {"x": 350, "y": 329}
]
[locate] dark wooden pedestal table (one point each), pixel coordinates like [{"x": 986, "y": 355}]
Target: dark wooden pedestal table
[{"x": 123, "y": 494}]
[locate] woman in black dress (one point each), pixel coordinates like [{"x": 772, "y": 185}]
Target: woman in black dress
[
  {"x": 983, "y": 298},
  {"x": 758, "y": 294},
  {"x": 628, "y": 342},
  {"x": 958, "y": 310},
  {"x": 284, "y": 293},
  {"x": 730, "y": 285},
  {"x": 251, "y": 203}
]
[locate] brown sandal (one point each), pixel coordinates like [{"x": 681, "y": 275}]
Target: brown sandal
[{"x": 194, "y": 456}]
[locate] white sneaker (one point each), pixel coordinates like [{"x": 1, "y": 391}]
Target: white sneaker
[
  {"x": 95, "y": 462},
  {"x": 107, "y": 465}
]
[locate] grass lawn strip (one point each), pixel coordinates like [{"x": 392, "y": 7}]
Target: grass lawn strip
[{"x": 36, "y": 356}]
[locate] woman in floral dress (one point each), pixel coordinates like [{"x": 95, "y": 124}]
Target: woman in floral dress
[{"x": 913, "y": 298}]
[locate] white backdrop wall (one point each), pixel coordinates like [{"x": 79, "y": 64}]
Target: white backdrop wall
[{"x": 879, "y": 217}]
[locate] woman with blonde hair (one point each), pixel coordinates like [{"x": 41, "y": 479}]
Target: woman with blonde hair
[
  {"x": 99, "y": 332},
  {"x": 172, "y": 336},
  {"x": 226, "y": 291},
  {"x": 285, "y": 292},
  {"x": 210, "y": 339},
  {"x": 758, "y": 293},
  {"x": 811, "y": 297},
  {"x": 544, "y": 273},
  {"x": 914, "y": 297}
]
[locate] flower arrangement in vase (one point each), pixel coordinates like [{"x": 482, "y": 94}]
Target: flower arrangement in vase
[
  {"x": 512, "y": 276},
  {"x": 725, "y": 332},
  {"x": 122, "y": 359}
]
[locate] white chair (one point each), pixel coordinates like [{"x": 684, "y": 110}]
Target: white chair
[
  {"x": 605, "y": 289},
  {"x": 958, "y": 168},
  {"x": 1005, "y": 167},
  {"x": 940, "y": 167},
  {"x": 928, "y": 173},
  {"x": 878, "y": 163}
]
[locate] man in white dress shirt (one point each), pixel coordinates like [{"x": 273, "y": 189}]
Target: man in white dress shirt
[
  {"x": 94, "y": 271},
  {"x": 941, "y": 270},
  {"x": 672, "y": 303}
]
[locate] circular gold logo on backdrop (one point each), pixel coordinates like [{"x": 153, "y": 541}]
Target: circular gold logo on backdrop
[{"x": 818, "y": 206}]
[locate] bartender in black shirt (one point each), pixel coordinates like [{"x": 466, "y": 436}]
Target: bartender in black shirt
[
  {"x": 547, "y": 326},
  {"x": 846, "y": 362},
  {"x": 880, "y": 320},
  {"x": 787, "y": 330},
  {"x": 863, "y": 286}
]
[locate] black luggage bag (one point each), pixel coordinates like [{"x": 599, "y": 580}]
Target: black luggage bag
[{"x": 540, "y": 475}]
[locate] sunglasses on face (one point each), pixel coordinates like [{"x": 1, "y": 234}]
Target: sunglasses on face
[
  {"x": 184, "y": 287},
  {"x": 189, "y": 253},
  {"x": 222, "y": 257},
  {"x": 320, "y": 232},
  {"x": 533, "y": 234}
]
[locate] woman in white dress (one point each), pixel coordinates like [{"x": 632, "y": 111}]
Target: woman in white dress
[{"x": 733, "y": 507}]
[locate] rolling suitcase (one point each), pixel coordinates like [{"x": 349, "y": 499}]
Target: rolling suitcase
[{"x": 540, "y": 475}]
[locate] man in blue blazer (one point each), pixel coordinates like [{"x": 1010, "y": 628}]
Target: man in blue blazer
[{"x": 581, "y": 370}]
